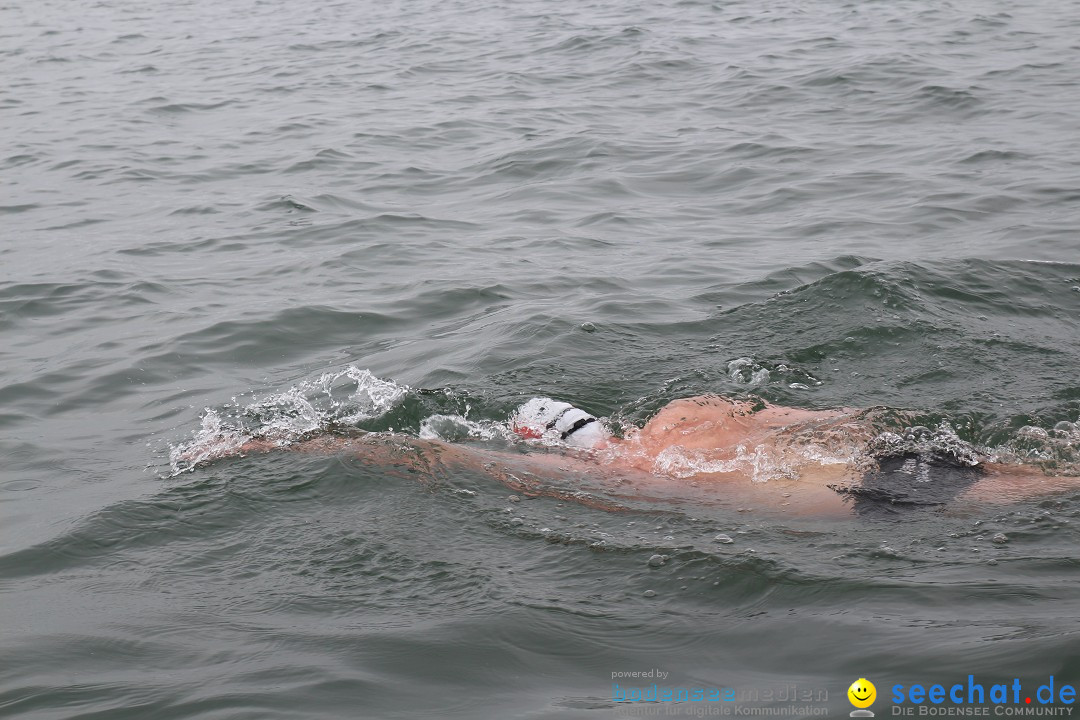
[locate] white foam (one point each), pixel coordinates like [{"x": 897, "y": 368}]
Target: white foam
[
  {"x": 453, "y": 428},
  {"x": 346, "y": 396},
  {"x": 213, "y": 439},
  {"x": 920, "y": 441},
  {"x": 760, "y": 464},
  {"x": 746, "y": 371},
  {"x": 372, "y": 398}
]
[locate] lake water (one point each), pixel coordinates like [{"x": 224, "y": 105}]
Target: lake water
[{"x": 263, "y": 214}]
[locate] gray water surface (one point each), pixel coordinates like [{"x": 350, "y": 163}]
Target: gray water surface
[{"x": 360, "y": 215}]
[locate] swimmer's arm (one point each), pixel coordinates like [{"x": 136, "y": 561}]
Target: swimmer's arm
[
  {"x": 542, "y": 473},
  {"x": 372, "y": 446},
  {"x": 1004, "y": 483},
  {"x": 529, "y": 473}
]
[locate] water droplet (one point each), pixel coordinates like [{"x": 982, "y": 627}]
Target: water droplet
[
  {"x": 514, "y": 498},
  {"x": 649, "y": 593},
  {"x": 722, "y": 538},
  {"x": 656, "y": 561},
  {"x": 1000, "y": 539},
  {"x": 516, "y": 521},
  {"x": 588, "y": 327}
]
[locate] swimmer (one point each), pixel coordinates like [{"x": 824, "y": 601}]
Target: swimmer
[{"x": 809, "y": 461}]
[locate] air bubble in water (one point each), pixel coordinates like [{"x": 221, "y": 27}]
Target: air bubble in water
[
  {"x": 1031, "y": 432},
  {"x": 746, "y": 371}
]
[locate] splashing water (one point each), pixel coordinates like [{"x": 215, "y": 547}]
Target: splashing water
[
  {"x": 1057, "y": 450},
  {"x": 345, "y": 397},
  {"x": 214, "y": 438},
  {"x": 372, "y": 398},
  {"x": 350, "y": 396},
  {"x": 455, "y": 428},
  {"x": 746, "y": 371},
  {"x": 759, "y": 463},
  {"x": 939, "y": 445}
]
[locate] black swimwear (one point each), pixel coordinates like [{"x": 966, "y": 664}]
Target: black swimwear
[{"x": 908, "y": 482}]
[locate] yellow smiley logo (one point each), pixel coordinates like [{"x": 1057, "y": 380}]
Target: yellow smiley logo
[{"x": 862, "y": 693}]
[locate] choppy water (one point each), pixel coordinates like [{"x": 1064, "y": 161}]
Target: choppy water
[{"x": 261, "y": 213}]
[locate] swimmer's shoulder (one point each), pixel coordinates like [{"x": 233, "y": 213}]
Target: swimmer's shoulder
[{"x": 783, "y": 416}]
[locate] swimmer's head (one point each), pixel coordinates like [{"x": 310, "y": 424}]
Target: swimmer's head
[{"x": 558, "y": 422}]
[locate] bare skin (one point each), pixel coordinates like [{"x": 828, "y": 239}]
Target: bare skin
[{"x": 787, "y": 459}]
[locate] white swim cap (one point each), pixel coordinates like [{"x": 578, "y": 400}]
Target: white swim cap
[{"x": 555, "y": 421}]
